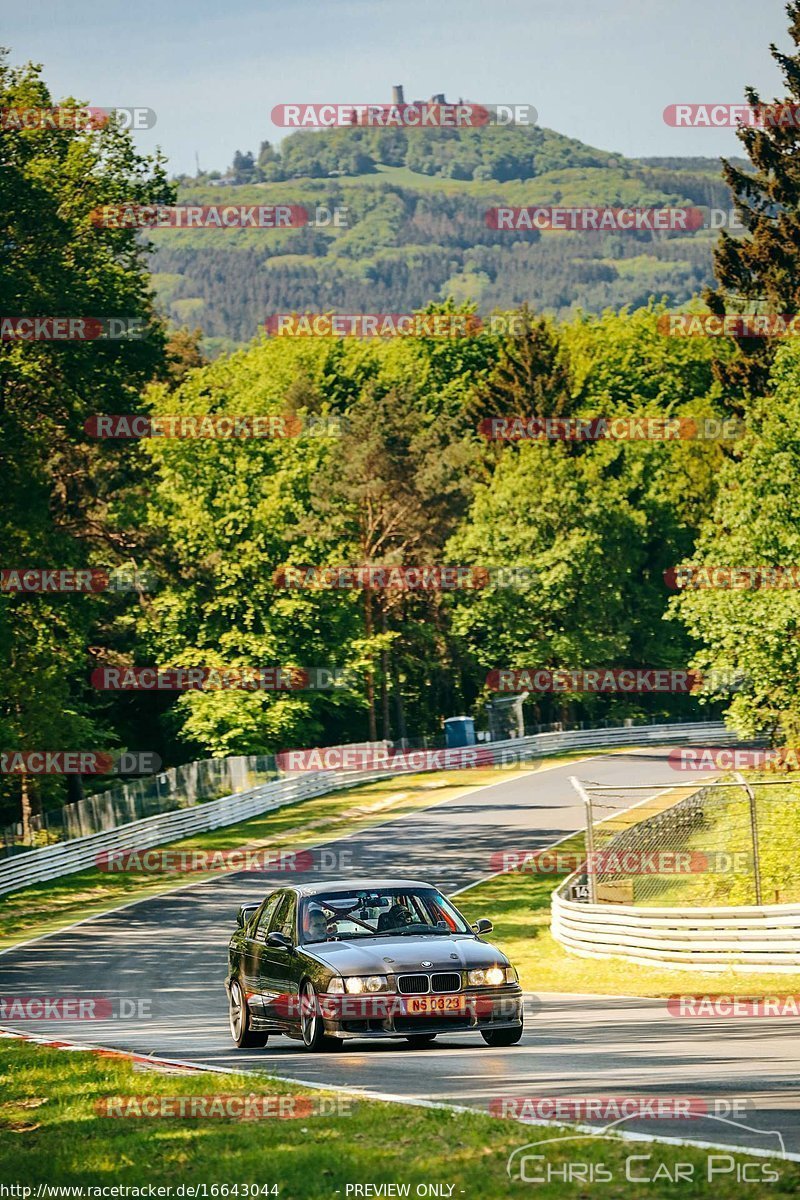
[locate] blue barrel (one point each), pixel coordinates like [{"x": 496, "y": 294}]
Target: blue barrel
[{"x": 459, "y": 731}]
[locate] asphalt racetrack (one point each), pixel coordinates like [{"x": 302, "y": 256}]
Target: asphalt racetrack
[{"x": 165, "y": 957}]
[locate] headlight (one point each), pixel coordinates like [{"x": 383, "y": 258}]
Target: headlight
[
  {"x": 336, "y": 986},
  {"x": 491, "y": 976},
  {"x": 357, "y": 984}
]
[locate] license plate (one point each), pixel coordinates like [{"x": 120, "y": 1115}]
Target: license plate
[{"x": 435, "y": 1004}]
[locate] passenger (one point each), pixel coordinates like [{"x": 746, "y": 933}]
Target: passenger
[{"x": 315, "y": 925}]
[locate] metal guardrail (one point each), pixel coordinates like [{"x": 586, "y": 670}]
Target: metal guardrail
[
  {"x": 751, "y": 938},
  {"x": 51, "y": 862},
  {"x": 740, "y": 938}
]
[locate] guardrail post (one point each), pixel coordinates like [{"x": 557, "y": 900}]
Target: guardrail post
[
  {"x": 591, "y": 878},
  {"x": 753, "y": 831}
]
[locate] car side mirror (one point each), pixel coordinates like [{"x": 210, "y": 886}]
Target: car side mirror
[
  {"x": 279, "y": 941},
  {"x": 483, "y": 926}
]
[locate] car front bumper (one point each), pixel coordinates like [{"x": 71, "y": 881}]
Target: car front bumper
[{"x": 388, "y": 1015}]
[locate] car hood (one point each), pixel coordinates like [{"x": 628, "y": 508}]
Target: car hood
[{"x": 403, "y": 955}]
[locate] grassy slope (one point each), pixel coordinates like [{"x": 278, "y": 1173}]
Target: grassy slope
[
  {"x": 519, "y": 904},
  {"x": 51, "y": 1133}
]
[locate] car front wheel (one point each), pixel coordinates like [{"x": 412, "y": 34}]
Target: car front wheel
[
  {"x": 501, "y": 1037},
  {"x": 241, "y": 1032},
  {"x": 312, "y": 1028}
]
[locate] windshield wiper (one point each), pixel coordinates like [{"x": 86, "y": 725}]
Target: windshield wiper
[{"x": 421, "y": 932}]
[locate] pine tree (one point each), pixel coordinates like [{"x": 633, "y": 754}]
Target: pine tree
[
  {"x": 531, "y": 376},
  {"x": 761, "y": 271}
]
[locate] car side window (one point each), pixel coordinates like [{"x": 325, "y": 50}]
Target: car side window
[
  {"x": 278, "y": 915},
  {"x": 267, "y": 913},
  {"x": 285, "y": 917}
]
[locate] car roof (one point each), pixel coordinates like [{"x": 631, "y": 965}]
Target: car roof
[{"x": 356, "y": 885}]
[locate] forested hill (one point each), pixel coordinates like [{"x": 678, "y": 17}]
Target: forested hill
[
  {"x": 521, "y": 152},
  {"x": 416, "y": 203}
]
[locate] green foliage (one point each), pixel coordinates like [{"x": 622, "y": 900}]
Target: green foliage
[
  {"x": 60, "y": 487},
  {"x": 454, "y": 153},
  {"x": 597, "y": 524},
  {"x": 761, "y": 272},
  {"x": 756, "y": 631}
]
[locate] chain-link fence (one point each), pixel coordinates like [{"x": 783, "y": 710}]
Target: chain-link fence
[
  {"x": 181, "y": 787},
  {"x": 178, "y": 787},
  {"x": 731, "y": 842}
]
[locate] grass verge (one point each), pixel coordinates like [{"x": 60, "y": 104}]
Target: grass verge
[
  {"x": 519, "y": 905},
  {"x": 53, "y": 1134}
]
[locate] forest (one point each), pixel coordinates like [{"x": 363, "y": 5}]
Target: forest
[{"x": 374, "y": 453}]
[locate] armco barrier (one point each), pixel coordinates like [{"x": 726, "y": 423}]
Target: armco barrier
[
  {"x": 752, "y": 938},
  {"x": 51, "y": 862},
  {"x": 741, "y": 938}
]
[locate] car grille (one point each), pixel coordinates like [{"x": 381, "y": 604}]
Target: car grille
[
  {"x": 415, "y": 985},
  {"x": 440, "y": 1023},
  {"x": 411, "y": 985},
  {"x": 447, "y": 981}
]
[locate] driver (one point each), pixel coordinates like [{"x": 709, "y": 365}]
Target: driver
[
  {"x": 315, "y": 924},
  {"x": 397, "y": 916}
]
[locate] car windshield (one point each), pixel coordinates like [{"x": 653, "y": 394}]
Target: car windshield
[{"x": 387, "y": 912}]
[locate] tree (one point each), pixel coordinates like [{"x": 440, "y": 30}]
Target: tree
[
  {"x": 183, "y": 354},
  {"x": 753, "y": 631},
  {"x": 62, "y": 488},
  {"x": 392, "y": 495},
  {"x": 531, "y": 377},
  {"x": 762, "y": 269},
  {"x": 596, "y": 524}
]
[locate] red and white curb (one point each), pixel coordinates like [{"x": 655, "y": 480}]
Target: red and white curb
[{"x": 140, "y": 1062}]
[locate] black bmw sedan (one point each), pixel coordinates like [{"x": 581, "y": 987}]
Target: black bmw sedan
[{"x": 366, "y": 958}]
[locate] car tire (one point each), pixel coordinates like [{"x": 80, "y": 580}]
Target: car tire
[
  {"x": 420, "y": 1040},
  {"x": 502, "y": 1037},
  {"x": 239, "y": 1016},
  {"x": 312, "y": 1026}
]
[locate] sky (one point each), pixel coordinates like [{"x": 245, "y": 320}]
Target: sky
[{"x": 598, "y": 70}]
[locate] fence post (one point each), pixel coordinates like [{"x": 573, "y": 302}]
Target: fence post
[
  {"x": 753, "y": 831},
  {"x": 591, "y": 877}
]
